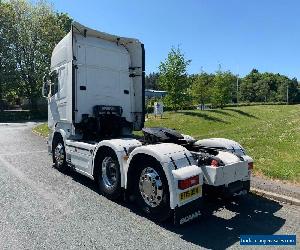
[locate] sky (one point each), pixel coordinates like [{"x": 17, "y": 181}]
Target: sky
[{"x": 238, "y": 35}]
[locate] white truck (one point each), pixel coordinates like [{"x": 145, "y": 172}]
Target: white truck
[{"x": 96, "y": 96}]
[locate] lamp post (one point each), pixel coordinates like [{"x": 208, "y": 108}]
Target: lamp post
[
  {"x": 287, "y": 94},
  {"x": 237, "y": 88}
]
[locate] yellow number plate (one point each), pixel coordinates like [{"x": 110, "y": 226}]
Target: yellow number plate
[{"x": 195, "y": 191}]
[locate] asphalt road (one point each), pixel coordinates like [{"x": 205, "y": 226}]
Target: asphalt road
[{"x": 41, "y": 208}]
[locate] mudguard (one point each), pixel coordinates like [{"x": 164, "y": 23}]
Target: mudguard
[
  {"x": 63, "y": 129},
  {"x": 122, "y": 148},
  {"x": 177, "y": 163},
  {"x": 222, "y": 143},
  {"x": 230, "y": 153}
]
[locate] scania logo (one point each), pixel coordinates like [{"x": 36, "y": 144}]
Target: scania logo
[{"x": 190, "y": 217}]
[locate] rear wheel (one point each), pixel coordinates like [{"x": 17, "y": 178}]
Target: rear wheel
[
  {"x": 151, "y": 190},
  {"x": 59, "y": 155},
  {"x": 108, "y": 175}
]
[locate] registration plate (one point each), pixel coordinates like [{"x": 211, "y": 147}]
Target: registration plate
[{"x": 195, "y": 191}]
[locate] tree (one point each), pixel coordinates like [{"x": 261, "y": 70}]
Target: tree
[
  {"x": 288, "y": 90},
  {"x": 173, "y": 79},
  {"x": 294, "y": 92},
  {"x": 221, "y": 92},
  {"x": 201, "y": 87},
  {"x": 248, "y": 90},
  {"x": 30, "y": 33},
  {"x": 151, "y": 81},
  {"x": 268, "y": 87},
  {"x": 7, "y": 66},
  {"x": 262, "y": 88}
]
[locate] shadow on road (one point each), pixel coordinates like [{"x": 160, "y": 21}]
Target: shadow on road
[
  {"x": 216, "y": 229},
  {"x": 245, "y": 215}
]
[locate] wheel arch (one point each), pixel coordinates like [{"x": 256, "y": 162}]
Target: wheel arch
[
  {"x": 120, "y": 147},
  {"x": 98, "y": 153},
  {"x": 138, "y": 158},
  {"x": 169, "y": 156},
  {"x": 134, "y": 164},
  {"x": 60, "y": 133}
]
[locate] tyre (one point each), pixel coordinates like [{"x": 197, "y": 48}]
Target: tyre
[
  {"x": 246, "y": 185},
  {"x": 59, "y": 155},
  {"x": 151, "y": 190},
  {"x": 108, "y": 176}
]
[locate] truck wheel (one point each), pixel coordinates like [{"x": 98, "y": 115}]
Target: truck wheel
[
  {"x": 151, "y": 191},
  {"x": 246, "y": 185},
  {"x": 108, "y": 175},
  {"x": 59, "y": 155}
]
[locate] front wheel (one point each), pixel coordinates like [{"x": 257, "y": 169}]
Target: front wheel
[
  {"x": 152, "y": 191},
  {"x": 59, "y": 155}
]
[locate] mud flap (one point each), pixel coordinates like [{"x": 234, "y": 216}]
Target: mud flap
[
  {"x": 233, "y": 189},
  {"x": 188, "y": 212}
]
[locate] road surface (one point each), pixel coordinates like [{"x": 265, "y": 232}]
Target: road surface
[{"x": 41, "y": 208}]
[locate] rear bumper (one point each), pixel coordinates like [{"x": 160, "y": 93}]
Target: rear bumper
[
  {"x": 220, "y": 176},
  {"x": 188, "y": 212}
]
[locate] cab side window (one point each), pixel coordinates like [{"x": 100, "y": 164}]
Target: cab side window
[
  {"x": 62, "y": 82},
  {"x": 54, "y": 81}
]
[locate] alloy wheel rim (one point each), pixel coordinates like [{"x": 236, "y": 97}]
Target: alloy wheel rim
[
  {"x": 109, "y": 172},
  {"x": 59, "y": 154},
  {"x": 151, "y": 187}
]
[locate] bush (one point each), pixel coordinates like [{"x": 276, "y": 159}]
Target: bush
[{"x": 17, "y": 116}]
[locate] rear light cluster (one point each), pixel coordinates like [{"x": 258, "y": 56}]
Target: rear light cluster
[
  {"x": 214, "y": 163},
  {"x": 206, "y": 159},
  {"x": 250, "y": 165},
  {"x": 192, "y": 181}
]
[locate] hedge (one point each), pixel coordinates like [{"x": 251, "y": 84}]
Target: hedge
[{"x": 22, "y": 115}]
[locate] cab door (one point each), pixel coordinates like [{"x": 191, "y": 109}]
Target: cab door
[{"x": 57, "y": 103}]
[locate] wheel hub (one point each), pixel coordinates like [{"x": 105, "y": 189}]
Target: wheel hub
[
  {"x": 151, "y": 187},
  {"x": 59, "y": 154},
  {"x": 109, "y": 172}
]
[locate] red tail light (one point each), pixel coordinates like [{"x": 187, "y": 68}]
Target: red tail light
[
  {"x": 214, "y": 163},
  {"x": 192, "y": 181},
  {"x": 250, "y": 165}
]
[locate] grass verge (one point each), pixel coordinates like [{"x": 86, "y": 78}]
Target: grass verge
[{"x": 41, "y": 129}]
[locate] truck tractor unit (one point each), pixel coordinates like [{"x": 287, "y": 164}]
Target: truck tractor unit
[{"x": 96, "y": 99}]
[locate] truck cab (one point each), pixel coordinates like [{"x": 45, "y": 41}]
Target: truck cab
[{"x": 97, "y": 78}]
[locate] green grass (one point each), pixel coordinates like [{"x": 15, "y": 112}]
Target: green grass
[
  {"x": 42, "y": 129},
  {"x": 270, "y": 134}
]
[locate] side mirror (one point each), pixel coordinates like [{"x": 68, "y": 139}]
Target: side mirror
[
  {"x": 53, "y": 77},
  {"x": 46, "y": 87}
]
